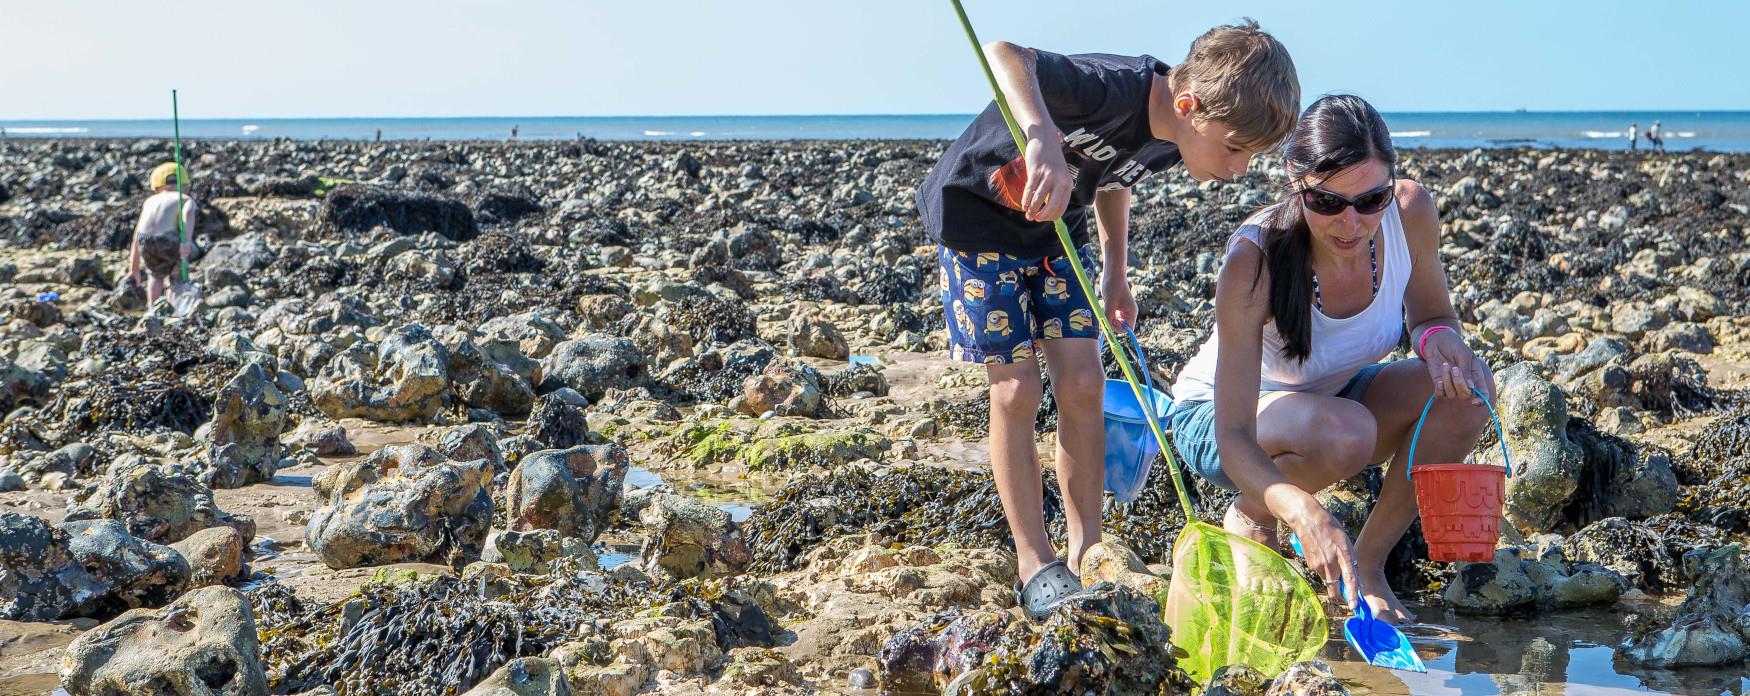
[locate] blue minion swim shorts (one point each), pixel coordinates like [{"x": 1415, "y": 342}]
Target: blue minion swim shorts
[{"x": 998, "y": 306}]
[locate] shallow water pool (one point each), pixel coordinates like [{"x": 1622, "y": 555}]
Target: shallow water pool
[{"x": 1567, "y": 653}]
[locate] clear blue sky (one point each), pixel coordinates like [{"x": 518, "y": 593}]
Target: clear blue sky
[{"x": 114, "y": 58}]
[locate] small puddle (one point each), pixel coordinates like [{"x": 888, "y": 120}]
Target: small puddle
[
  {"x": 738, "y": 497},
  {"x": 1567, "y": 652},
  {"x": 866, "y": 360}
]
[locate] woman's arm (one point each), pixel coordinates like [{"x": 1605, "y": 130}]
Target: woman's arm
[
  {"x": 1242, "y": 307},
  {"x": 1428, "y": 303}
]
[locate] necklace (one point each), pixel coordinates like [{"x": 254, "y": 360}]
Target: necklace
[{"x": 1372, "y": 258}]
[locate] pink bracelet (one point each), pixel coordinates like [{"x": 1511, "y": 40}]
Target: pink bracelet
[{"x": 1422, "y": 344}]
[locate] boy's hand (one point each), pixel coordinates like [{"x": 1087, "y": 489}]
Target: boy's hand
[
  {"x": 1120, "y": 304},
  {"x": 1048, "y": 179}
]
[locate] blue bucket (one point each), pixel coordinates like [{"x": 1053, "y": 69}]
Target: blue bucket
[{"x": 1130, "y": 445}]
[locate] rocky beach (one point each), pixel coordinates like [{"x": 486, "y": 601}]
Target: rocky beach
[{"x": 677, "y": 418}]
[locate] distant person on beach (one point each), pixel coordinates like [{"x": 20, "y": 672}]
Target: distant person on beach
[
  {"x": 1313, "y": 294},
  {"x": 158, "y": 245},
  {"x": 379, "y": 135},
  {"x": 513, "y": 132},
  {"x": 1633, "y": 135},
  {"x": 1095, "y": 124},
  {"x": 1655, "y": 140}
]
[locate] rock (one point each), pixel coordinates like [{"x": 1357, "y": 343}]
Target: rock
[
  {"x": 1685, "y": 336},
  {"x": 575, "y": 491},
  {"x": 1546, "y": 465},
  {"x": 1113, "y": 562},
  {"x": 355, "y": 208},
  {"x": 784, "y": 388},
  {"x": 1635, "y": 320},
  {"x": 774, "y": 444},
  {"x": 1710, "y": 628},
  {"x": 525, "y": 676},
  {"x": 241, "y": 255},
  {"x": 39, "y": 580},
  {"x": 159, "y": 504},
  {"x": 1494, "y": 588},
  {"x": 856, "y": 379},
  {"x": 1236, "y": 680},
  {"x": 1109, "y": 640},
  {"x": 687, "y": 538},
  {"x": 557, "y": 422},
  {"x": 482, "y": 381},
  {"x": 39, "y": 469},
  {"x": 403, "y": 503},
  {"x": 752, "y": 669},
  {"x": 817, "y": 338},
  {"x": 130, "y": 572},
  {"x": 10, "y": 481},
  {"x": 470, "y": 442},
  {"x": 243, "y": 446},
  {"x": 1560, "y": 585},
  {"x": 326, "y": 439},
  {"x": 1629, "y": 548},
  {"x": 533, "y": 551},
  {"x": 592, "y": 365},
  {"x": 411, "y": 366},
  {"x": 1311, "y": 678},
  {"x": 203, "y": 644},
  {"x": 1622, "y": 479},
  {"x": 214, "y": 555},
  {"x": 20, "y": 386}
]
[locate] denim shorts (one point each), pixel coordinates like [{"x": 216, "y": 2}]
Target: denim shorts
[
  {"x": 1194, "y": 429},
  {"x": 999, "y": 306}
]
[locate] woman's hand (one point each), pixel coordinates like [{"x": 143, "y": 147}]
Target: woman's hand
[
  {"x": 1048, "y": 180},
  {"x": 1120, "y": 304},
  {"x": 1455, "y": 370},
  {"x": 1325, "y": 545}
]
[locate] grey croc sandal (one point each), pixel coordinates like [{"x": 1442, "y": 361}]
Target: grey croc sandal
[{"x": 1048, "y": 587}]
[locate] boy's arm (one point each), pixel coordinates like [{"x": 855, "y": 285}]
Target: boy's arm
[
  {"x": 188, "y": 220},
  {"x": 1112, "y": 216},
  {"x": 134, "y": 248},
  {"x": 1048, "y": 180}
]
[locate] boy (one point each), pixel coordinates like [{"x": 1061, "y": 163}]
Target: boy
[
  {"x": 1095, "y": 124},
  {"x": 156, "y": 244}
]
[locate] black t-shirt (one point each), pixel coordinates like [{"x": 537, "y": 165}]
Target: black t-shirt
[{"x": 971, "y": 201}]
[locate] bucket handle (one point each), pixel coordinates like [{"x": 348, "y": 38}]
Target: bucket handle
[
  {"x": 1499, "y": 434},
  {"x": 1148, "y": 379},
  {"x": 1141, "y": 364}
]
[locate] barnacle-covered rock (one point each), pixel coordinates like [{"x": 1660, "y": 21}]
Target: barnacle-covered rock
[{"x": 403, "y": 503}]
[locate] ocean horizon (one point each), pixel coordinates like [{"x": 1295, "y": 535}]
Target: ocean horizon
[{"x": 1724, "y": 131}]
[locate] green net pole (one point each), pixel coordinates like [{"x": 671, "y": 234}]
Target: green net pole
[
  {"x": 1146, "y": 401},
  {"x": 181, "y": 234}
]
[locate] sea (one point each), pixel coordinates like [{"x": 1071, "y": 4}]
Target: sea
[{"x": 1725, "y": 131}]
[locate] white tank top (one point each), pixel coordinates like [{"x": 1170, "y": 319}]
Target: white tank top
[{"x": 1340, "y": 347}]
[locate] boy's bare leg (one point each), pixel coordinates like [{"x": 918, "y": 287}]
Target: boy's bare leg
[
  {"x": 1015, "y": 392},
  {"x": 154, "y": 289},
  {"x": 1078, "y": 385}
]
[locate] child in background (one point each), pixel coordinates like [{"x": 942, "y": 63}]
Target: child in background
[{"x": 158, "y": 245}]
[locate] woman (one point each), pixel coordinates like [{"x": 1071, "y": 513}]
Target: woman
[{"x": 1315, "y": 291}]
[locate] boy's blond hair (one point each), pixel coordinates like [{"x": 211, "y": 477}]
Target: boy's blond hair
[{"x": 1243, "y": 78}]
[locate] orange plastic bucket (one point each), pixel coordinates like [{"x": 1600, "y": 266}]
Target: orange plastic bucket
[{"x": 1460, "y": 503}]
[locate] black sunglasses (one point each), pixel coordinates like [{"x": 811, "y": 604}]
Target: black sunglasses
[{"x": 1326, "y": 203}]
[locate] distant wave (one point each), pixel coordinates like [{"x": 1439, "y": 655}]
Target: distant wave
[
  {"x": 1411, "y": 134},
  {"x": 251, "y": 128},
  {"x": 696, "y": 133},
  {"x": 654, "y": 134},
  {"x": 1606, "y": 134},
  {"x": 1683, "y": 134},
  {"x": 48, "y": 130}
]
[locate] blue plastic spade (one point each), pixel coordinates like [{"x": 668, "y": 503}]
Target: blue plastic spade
[{"x": 1380, "y": 643}]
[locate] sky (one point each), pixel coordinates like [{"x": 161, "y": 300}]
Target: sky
[{"x": 110, "y": 59}]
